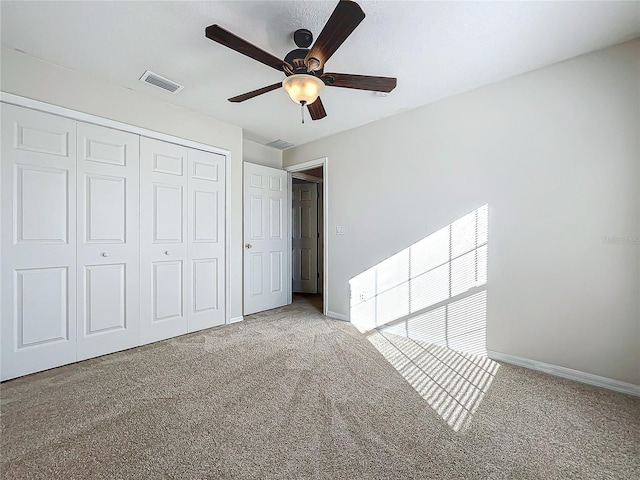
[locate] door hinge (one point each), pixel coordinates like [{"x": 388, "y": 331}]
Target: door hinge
[
  {"x": 318, "y": 274},
  {"x": 318, "y": 234}
]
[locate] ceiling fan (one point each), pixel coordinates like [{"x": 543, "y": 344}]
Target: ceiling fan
[{"x": 304, "y": 66}]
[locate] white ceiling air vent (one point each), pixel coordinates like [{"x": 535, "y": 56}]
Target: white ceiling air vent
[
  {"x": 279, "y": 144},
  {"x": 160, "y": 82}
]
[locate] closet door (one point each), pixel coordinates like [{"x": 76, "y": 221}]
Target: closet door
[
  {"x": 108, "y": 240},
  {"x": 206, "y": 249},
  {"x": 38, "y": 241},
  {"x": 163, "y": 240}
]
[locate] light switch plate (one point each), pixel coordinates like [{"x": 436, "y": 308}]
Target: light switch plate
[{"x": 339, "y": 229}]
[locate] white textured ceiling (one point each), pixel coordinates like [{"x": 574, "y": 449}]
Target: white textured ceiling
[{"x": 435, "y": 49}]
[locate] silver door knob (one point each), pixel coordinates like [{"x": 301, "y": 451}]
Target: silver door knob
[
  {"x": 166, "y": 252},
  {"x": 248, "y": 245},
  {"x": 105, "y": 254}
]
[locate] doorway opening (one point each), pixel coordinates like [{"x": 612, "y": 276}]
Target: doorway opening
[{"x": 308, "y": 233}]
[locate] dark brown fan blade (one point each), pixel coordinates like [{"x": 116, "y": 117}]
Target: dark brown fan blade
[
  {"x": 316, "y": 110},
  {"x": 255, "y": 93},
  {"x": 361, "y": 82},
  {"x": 342, "y": 22},
  {"x": 228, "y": 39}
]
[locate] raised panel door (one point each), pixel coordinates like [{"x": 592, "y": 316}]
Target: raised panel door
[
  {"x": 304, "y": 232},
  {"x": 38, "y": 241},
  {"x": 108, "y": 240},
  {"x": 265, "y": 237},
  {"x": 206, "y": 249},
  {"x": 164, "y": 262}
]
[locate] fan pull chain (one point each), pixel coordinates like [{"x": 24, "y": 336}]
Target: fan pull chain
[{"x": 302, "y": 111}]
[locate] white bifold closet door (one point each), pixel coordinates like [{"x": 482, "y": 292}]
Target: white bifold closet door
[
  {"x": 182, "y": 204},
  {"x": 108, "y": 240},
  {"x": 38, "y": 241},
  {"x": 206, "y": 233}
]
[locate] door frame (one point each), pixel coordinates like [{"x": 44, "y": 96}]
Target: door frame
[
  {"x": 324, "y": 163},
  {"x": 17, "y": 100}
]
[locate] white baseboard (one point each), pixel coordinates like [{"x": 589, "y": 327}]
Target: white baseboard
[
  {"x": 236, "y": 319},
  {"x": 576, "y": 375},
  {"x": 337, "y": 316}
]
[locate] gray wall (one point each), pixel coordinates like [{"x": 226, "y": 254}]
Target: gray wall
[
  {"x": 555, "y": 154},
  {"x": 261, "y": 154}
]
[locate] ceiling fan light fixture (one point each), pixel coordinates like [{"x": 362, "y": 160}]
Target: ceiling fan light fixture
[{"x": 303, "y": 88}]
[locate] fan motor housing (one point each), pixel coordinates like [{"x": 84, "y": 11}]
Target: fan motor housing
[{"x": 295, "y": 58}]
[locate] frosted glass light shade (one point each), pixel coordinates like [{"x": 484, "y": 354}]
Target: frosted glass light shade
[{"x": 303, "y": 88}]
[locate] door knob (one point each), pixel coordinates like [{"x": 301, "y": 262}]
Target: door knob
[
  {"x": 166, "y": 252},
  {"x": 105, "y": 254},
  {"x": 248, "y": 245}
]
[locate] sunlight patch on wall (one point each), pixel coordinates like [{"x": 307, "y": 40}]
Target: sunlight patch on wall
[{"x": 434, "y": 290}]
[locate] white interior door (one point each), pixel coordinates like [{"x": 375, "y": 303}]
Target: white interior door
[
  {"x": 108, "y": 240},
  {"x": 206, "y": 249},
  {"x": 266, "y": 256},
  {"x": 304, "y": 232},
  {"x": 163, "y": 240},
  {"x": 38, "y": 241}
]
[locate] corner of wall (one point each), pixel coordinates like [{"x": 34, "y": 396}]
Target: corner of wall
[{"x": 254, "y": 152}]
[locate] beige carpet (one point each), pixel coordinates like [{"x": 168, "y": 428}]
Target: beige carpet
[{"x": 291, "y": 394}]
